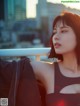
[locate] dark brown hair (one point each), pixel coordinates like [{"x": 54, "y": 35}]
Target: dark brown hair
[{"x": 72, "y": 20}]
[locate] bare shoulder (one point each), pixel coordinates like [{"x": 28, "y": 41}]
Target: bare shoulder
[{"x": 42, "y": 69}]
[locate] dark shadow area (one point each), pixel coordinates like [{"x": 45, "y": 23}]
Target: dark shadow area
[
  {"x": 1, "y": 9},
  {"x": 42, "y": 93}
]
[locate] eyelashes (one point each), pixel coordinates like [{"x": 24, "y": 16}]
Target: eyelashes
[
  {"x": 53, "y": 33},
  {"x": 62, "y": 31}
]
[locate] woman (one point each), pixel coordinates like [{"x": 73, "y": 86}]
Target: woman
[{"x": 61, "y": 79}]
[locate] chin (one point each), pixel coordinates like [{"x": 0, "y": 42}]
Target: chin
[
  {"x": 62, "y": 51},
  {"x": 59, "y": 52}
]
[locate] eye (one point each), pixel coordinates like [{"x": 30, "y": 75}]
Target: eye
[
  {"x": 63, "y": 31},
  {"x": 54, "y": 32}
]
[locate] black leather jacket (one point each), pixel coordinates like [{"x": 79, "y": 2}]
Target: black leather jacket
[{"x": 18, "y": 83}]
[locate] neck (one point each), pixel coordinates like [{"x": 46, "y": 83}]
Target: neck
[{"x": 70, "y": 62}]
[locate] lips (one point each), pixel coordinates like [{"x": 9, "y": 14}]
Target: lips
[{"x": 57, "y": 45}]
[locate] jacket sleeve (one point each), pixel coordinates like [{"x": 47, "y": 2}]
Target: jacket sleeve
[
  {"x": 6, "y": 72},
  {"x": 27, "y": 92}
]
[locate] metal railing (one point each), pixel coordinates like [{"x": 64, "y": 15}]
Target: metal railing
[{"x": 37, "y": 52}]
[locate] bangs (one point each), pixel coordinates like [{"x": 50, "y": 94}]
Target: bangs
[{"x": 64, "y": 20}]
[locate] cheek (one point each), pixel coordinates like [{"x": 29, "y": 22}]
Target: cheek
[
  {"x": 53, "y": 41},
  {"x": 70, "y": 42}
]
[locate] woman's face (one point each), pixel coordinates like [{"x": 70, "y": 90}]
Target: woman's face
[{"x": 64, "y": 38}]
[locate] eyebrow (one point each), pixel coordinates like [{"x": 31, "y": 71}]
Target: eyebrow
[{"x": 61, "y": 27}]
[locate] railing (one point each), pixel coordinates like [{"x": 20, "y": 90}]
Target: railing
[{"x": 25, "y": 52}]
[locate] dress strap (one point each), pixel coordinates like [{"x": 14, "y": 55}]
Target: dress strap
[{"x": 56, "y": 86}]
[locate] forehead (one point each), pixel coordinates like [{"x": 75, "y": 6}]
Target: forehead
[{"x": 60, "y": 24}]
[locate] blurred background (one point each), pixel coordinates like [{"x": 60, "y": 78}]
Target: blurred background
[{"x": 28, "y": 23}]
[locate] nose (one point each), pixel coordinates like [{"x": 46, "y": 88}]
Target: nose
[{"x": 56, "y": 37}]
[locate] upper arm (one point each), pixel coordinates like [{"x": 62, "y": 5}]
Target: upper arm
[
  {"x": 43, "y": 71},
  {"x": 38, "y": 68}
]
